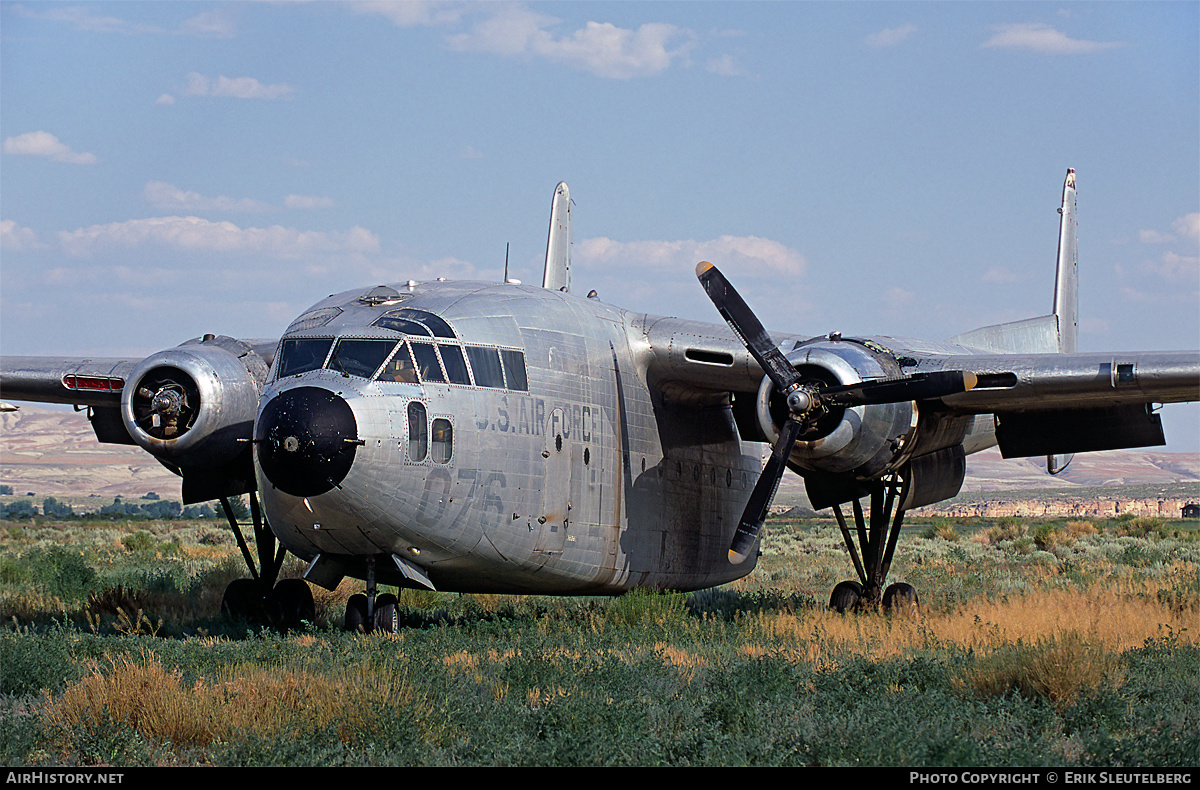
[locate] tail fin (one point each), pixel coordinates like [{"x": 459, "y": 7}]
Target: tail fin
[
  {"x": 1066, "y": 280},
  {"x": 557, "y": 275},
  {"x": 1066, "y": 292}
]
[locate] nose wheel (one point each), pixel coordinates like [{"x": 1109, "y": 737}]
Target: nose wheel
[
  {"x": 871, "y": 548},
  {"x": 370, "y": 612},
  {"x": 261, "y": 599}
]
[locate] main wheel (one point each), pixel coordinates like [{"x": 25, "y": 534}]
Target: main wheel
[
  {"x": 847, "y": 596},
  {"x": 291, "y": 604},
  {"x": 901, "y": 598},
  {"x": 243, "y": 600},
  {"x": 356, "y": 614}
]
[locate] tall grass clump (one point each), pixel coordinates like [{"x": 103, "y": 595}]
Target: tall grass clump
[{"x": 1060, "y": 669}]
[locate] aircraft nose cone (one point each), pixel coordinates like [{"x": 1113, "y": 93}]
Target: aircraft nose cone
[{"x": 306, "y": 439}]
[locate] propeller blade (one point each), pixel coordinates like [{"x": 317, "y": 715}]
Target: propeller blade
[
  {"x": 921, "y": 386},
  {"x": 764, "y": 491},
  {"x": 746, "y": 326}
]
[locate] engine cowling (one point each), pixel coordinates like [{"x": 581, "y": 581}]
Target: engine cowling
[
  {"x": 193, "y": 406},
  {"x": 866, "y": 440}
]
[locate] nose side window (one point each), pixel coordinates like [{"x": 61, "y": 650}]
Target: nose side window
[
  {"x": 443, "y": 441},
  {"x": 418, "y": 436}
]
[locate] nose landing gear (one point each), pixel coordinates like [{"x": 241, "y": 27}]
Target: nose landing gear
[{"x": 371, "y": 612}]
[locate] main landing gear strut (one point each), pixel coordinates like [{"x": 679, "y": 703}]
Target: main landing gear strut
[
  {"x": 876, "y": 541},
  {"x": 259, "y": 599}
]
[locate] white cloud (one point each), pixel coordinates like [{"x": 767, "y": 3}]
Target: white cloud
[
  {"x": 166, "y": 197},
  {"x": 235, "y": 87},
  {"x": 743, "y": 255},
  {"x": 412, "y": 13},
  {"x": 1002, "y": 275},
  {"x": 15, "y": 238},
  {"x": 470, "y": 152},
  {"x": 1175, "y": 268},
  {"x": 1040, "y": 37},
  {"x": 84, "y": 20},
  {"x": 1188, "y": 226},
  {"x": 165, "y": 98},
  {"x": 726, "y": 66},
  {"x": 47, "y": 145},
  {"x": 307, "y": 201},
  {"x": 600, "y": 48},
  {"x": 891, "y": 36},
  {"x": 193, "y": 234},
  {"x": 210, "y": 24}
]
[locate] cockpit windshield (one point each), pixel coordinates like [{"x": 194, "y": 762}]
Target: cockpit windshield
[
  {"x": 302, "y": 355},
  {"x": 360, "y": 357}
]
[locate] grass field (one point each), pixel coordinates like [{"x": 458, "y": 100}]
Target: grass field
[{"x": 1068, "y": 642}]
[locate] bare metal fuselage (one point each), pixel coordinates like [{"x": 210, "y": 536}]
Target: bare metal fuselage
[{"x": 585, "y": 482}]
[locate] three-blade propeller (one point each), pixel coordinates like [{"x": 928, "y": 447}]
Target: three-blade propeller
[{"x": 805, "y": 399}]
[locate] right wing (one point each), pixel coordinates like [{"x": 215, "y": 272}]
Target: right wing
[{"x": 192, "y": 407}]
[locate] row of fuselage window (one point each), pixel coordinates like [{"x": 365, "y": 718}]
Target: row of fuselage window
[{"x": 409, "y": 361}]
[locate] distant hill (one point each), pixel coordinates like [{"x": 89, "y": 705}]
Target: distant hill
[{"x": 55, "y": 453}]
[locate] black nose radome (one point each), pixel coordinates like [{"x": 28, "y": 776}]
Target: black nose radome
[{"x": 306, "y": 438}]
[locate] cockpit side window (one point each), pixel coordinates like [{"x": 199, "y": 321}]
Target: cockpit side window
[
  {"x": 427, "y": 362},
  {"x": 360, "y": 357},
  {"x": 400, "y": 367},
  {"x": 302, "y": 355},
  {"x": 485, "y": 364},
  {"x": 514, "y": 370},
  {"x": 456, "y": 366}
]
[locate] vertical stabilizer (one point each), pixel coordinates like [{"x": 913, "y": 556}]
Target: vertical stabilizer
[
  {"x": 1066, "y": 292},
  {"x": 557, "y": 275},
  {"x": 1066, "y": 281}
]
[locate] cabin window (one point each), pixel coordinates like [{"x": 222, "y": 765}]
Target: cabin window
[
  {"x": 443, "y": 441},
  {"x": 360, "y": 357},
  {"x": 303, "y": 355},
  {"x": 400, "y": 367},
  {"x": 456, "y": 366},
  {"x": 485, "y": 364},
  {"x": 418, "y": 435},
  {"x": 427, "y": 362},
  {"x": 514, "y": 370}
]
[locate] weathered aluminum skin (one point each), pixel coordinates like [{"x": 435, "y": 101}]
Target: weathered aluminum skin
[{"x": 587, "y": 482}]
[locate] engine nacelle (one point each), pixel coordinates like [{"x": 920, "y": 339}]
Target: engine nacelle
[
  {"x": 865, "y": 440},
  {"x": 193, "y": 406}
]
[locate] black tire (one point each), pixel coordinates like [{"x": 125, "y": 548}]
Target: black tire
[
  {"x": 291, "y": 604},
  {"x": 242, "y": 600},
  {"x": 901, "y": 598},
  {"x": 356, "y": 614},
  {"x": 385, "y": 614},
  {"x": 846, "y": 597}
]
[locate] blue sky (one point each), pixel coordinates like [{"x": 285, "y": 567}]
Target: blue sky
[{"x": 171, "y": 169}]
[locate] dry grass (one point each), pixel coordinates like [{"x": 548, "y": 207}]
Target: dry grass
[
  {"x": 142, "y": 694},
  {"x": 1117, "y": 617}
]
